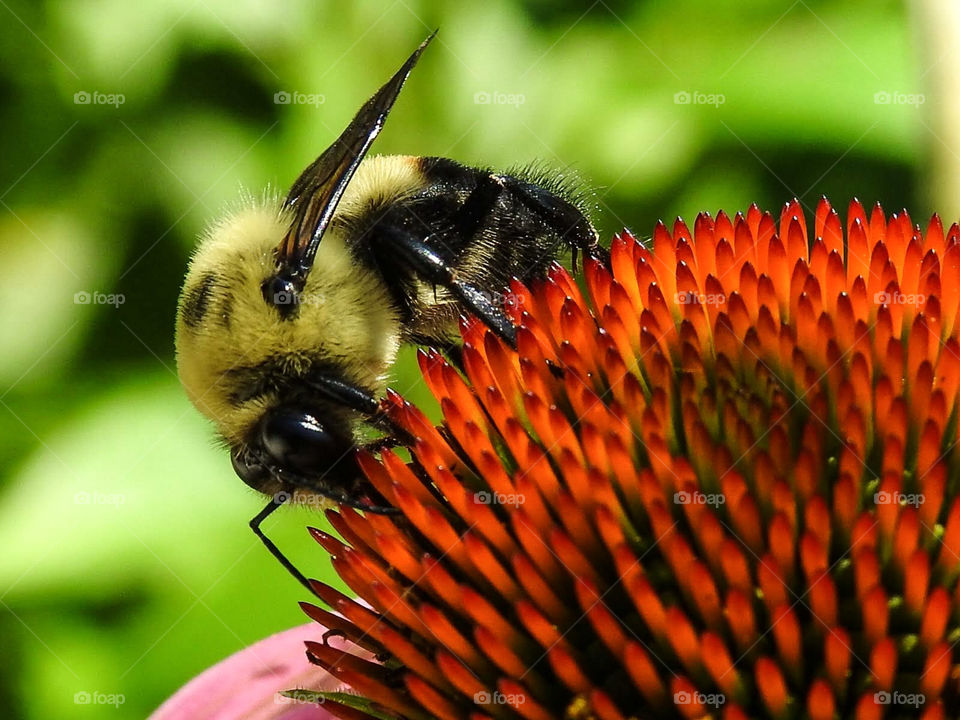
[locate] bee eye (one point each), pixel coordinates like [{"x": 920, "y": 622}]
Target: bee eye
[
  {"x": 298, "y": 441},
  {"x": 250, "y": 470}
]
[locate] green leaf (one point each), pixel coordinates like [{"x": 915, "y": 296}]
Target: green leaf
[{"x": 349, "y": 700}]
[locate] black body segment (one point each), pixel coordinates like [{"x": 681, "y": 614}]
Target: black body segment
[
  {"x": 470, "y": 231},
  {"x": 519, "y": 222}
]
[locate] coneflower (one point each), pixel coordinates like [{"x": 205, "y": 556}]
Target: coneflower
[{"x": 721, "y": 482}]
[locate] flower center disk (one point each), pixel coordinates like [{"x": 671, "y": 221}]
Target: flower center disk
[{"x": 719, "y": 482}]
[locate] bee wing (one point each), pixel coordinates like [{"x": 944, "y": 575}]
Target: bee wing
[{"x": 316, "y": 193}]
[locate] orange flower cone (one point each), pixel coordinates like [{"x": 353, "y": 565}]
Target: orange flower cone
[{"x": 721, "y": 482}]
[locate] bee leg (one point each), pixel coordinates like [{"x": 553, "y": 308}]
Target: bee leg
[
  {"x": 378, "y": 509},
  {"x": 355, "y": 398},
  {"x": 423, "y": 260},
  {"x": 344, "y": 499},
  {"x": 479, "y": 204},
  {"x": 345, "y": 394},
  {"x": 275, "y": 502},
  {"x": 382, "y": 443},
  {"x": 278, "y": 500},
  {"x": 341, "y": 498},
  {"x": 563, "y": 217},
  {"x": 477, "y": 302}
]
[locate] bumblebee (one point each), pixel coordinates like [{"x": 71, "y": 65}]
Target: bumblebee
[{"x": 293, "y": 309}]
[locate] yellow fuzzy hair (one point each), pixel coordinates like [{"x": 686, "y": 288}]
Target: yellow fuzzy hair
[{"x": 346, "y": 317}]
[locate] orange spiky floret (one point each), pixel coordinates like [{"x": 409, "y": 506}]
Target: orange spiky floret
[{"x": 720, "y": 483}]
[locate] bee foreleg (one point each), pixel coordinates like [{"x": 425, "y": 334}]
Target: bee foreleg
[
  {"x": 386, "y": 442},
  {"x": 356, "y": 398},
  {"x": 344, "y": 393}
]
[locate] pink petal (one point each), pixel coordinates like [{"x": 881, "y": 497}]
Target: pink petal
[{"x": 247, "y": 684}]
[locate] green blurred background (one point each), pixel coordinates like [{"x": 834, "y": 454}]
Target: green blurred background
[{"x": 127, "y": 564}]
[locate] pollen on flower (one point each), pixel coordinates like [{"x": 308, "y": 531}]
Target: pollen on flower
[{"x": 716, "y": 479}]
